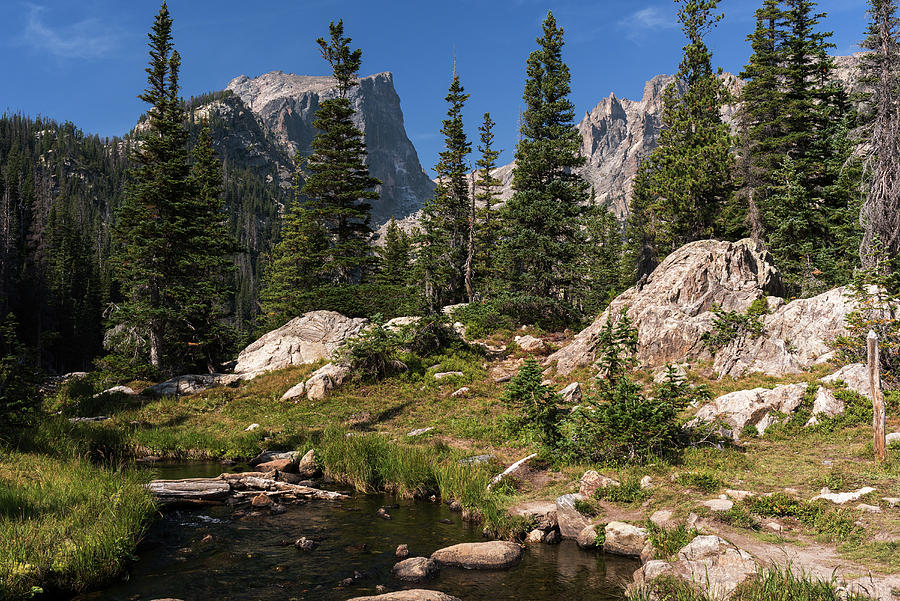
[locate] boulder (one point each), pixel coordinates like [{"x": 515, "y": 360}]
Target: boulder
[
  {"x": 287, "y": 465},
  {"x": 855, "y": 376},
  {"x": 752, "y": 407},
  {"x": 306, "y": 339},
  {"x": 448, "y": 374},
  {"x": 402, "y": 551},
  {"x": 839, "y": 498},
  {"x": 718, "y": 504},
  {"x": 592, "y": 481},
  {"x": 571, "y": 394},
  {"x": 826, "y": 403},
  {"x": 191, "y": 384},
  {"x": 587, "y": 538},
  {"x": 663, "y": 519},
  {"x": 325, "y": 379},
  {"x": 410, "y": 595},
  {"x": 307, "y": 466},
  {"x": 294, "y": 392},
  {"x": 795, "y": 336},
  {"x": 127, "y": 391},
  {"x": 570, "y": 521},
  {"x": 624, "y": 539},
  {"x": 715, "y": 565},
  {"x": 671, "y": 309},
  {"x": 493, "y": 555},
  {"x": 892, "y": 437},
  {"x": 649, "y": 571},
  {"x": 543, "y": 513},
  {"x": 415, "y": 569},
  {"x": 530, "y": 344},
  {"x": 535, "y": 536},
  {"x": 398, "y": 323}
]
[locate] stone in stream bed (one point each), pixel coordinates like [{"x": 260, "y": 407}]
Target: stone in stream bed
[
  {"x": 416, "y": 594},
  {"x": 493, "y": 555},
  {"x": 415, "y": 569},
  {"x": 402, "y": 552},
  {"x": 305, "y": 544}
]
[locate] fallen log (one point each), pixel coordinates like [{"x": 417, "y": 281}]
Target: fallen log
[{"x": 236, "y": 487}]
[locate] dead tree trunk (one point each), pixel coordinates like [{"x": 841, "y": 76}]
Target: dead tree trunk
[{"x": 878, "y": 413}]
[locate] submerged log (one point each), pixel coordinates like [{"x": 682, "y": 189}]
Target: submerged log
[{"x": 190, "y": 489}]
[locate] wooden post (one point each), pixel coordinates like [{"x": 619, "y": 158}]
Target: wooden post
[{"x": 877, "y": 397}]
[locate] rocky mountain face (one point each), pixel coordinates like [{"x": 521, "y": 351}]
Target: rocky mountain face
[{"x": 285, "y": 104}]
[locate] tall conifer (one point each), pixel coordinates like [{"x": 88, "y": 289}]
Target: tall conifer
[
  {"x": 487, "y": 189},
  {"x": 540, "y": 222}
]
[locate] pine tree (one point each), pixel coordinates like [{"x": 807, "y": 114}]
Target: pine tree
[
  {"x": 793, "y": 109},
  {"x": 640, "y": 255},
  {"x": 325, "y": 233},
  {"x": 880, "y": 215},
  {"x": 487, "y": 186},
  {"x": 395, "y": 257},
  {"x": 688, "y": 175},
  {"x": 149, "y": 225},
  {"x": 445, "y": 218},
  {"x": 174, "y": 245},
  {"x": 540, "y": 222},
  {"x": 601, "y": 259}
]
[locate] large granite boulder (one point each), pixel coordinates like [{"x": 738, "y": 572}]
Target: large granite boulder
[
  {"x": 624, "y": 539},
  {"x": 795, "y": 336},
  {"x": 570, "y": 521},
  {"x": 306, "y": 339},
  {"x": 493, "y": 555},
  {"x": 325, "y": 379},
  {"x": 672, "y": 309},
  {"x": 752, "y": 407},
  {"x": 415, "y": 569},
  {"x": 855, "y": 376},
  {"x": 714, "y": 564}
]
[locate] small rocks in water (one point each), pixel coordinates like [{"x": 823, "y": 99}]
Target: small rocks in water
[
  {"x": 382, "y": 513},
  {"x": 553, "y": 537},
  {"x": 402, "y": 551},
  {"x": 305, "y": 544},
  {"x": 251, "y": 427},
  {"x": 357, "y": 548},
  {"x": 456, "y": 506},
  {"x": 207, "y": 539},
  {"x": 446, "y": 521},
  {"x": 415, "y": 569},
  {"x": 380, "y": 588},
  {"x": 535, "y": 536},
  {"x": 262, "y": 500},
  {"x": 420, "y": 431}
]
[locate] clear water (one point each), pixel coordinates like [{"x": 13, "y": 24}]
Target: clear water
[{"x": 249, "y": 560}]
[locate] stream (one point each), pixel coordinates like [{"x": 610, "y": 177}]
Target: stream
[{"x": 254, "y": 559}]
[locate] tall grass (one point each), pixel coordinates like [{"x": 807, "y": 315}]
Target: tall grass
[{"x": 65, "y": 524}]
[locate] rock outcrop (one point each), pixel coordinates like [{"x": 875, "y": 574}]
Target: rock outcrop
[
  {"x": 795, "y": 336},
  {"x": 672, "y": 309},
  {"x": 410, "y": 595},
  {"x": 286, "y": 104},
  {"x": 755, "y": 407},
  {"x": 191, "y": 384},
  {"x": 303, "y": 340}
]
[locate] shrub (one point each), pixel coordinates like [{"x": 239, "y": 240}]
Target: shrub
[
  {"x": 619, "y": 424},
  {"x": 667, "y": 542},
  {"x": 507, "y": 312},
  {"x": 731, "y": 325},
  {"x": 629, "y": 491},
  {"x": 834, "y": 525},
  {"x": 537, "y": 402}
]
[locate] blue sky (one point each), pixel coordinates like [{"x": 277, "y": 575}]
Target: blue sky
[{"x": 84, "y": 61}]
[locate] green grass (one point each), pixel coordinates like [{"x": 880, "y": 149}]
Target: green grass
[
  {"x": 770, "y": 584},
  {"x": 65, "y": 524},
  {"x": 702, "y": 481},
  {"x": 669, "y": 541}
]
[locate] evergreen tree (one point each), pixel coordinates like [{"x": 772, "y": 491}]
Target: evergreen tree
[
  {"x": 443, "y": 242},
  {"x": 601, "y": 259},
  {"x": 688, "y": 175},
  {"x": 325, "y": 234},
  {"x": 880, "y": 215},
  {"x": 395, "y": 257},
  {"x": 487, "y": 189},
  {"x": 149, "y": 223},
  {"x": 640, "y": 256},
  {"x": 174, "y": 244},
  {"x": 540, "y": 222},
  {"x": 794, "y": 109}
]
